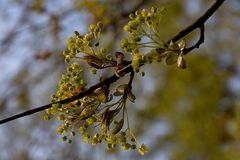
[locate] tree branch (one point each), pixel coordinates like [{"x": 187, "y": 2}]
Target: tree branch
[
  {"x": 199, "y": 23},
  {"x": 199, "y": 42},
  {"x": 70, "y": 99}
]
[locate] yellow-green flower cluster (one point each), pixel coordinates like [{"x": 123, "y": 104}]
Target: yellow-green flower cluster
[
  {"x": 70, "y": 81},
  {"x": 70, "y": 84},
  {"x": 97, "y": 117},
  {"x": 144, "y": 41},
  {"x": 137, "y": 60},
  {"x": 143, "y": 29},
  {"x": 96, "y": 109},
  {"x": 87, "y": 44}
]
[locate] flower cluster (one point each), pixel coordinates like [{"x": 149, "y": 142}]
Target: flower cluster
[
  {"x": 100, "y": 116},
  {"x": 88, "y": 48},
  {"x": 144, "y": 41},
  {"x": 70, "y": 84}
]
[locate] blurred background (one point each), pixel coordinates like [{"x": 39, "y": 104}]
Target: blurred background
[{"x": 190, "y": 114}]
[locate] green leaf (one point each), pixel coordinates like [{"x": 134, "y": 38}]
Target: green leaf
[
  {"x": 117, "y": 93},
  {"x": 120, "y": 90},
  {"x": 171, "y": 58}
]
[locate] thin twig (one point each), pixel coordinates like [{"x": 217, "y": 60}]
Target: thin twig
[
  {"x": 64, "y": 101},
  {"x": 199, "y": 42},
  {"x": 198, "y": 23},
  {"x": 131, "y": 79}
]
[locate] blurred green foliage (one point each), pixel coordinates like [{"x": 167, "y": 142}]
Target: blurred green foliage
[{"x": 202, "y": 116}]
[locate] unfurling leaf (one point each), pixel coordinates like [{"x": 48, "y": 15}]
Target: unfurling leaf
[
  {"x": 118, "y": 126},
  {"x": 89, "y": 110},
  {"x": 181, "y": 63},
  {"x": 120, "y": 90},
  {"x": 102, "y": 93},
  {"x": 107, "y": 117},
  {"x": 117, "y": 93},
  {"x": 98, "y": 63}
]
